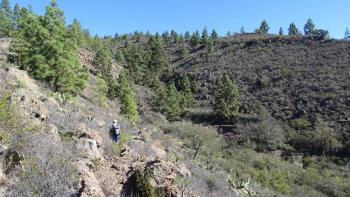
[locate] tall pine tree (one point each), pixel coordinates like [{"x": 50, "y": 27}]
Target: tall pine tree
[
  {"x": 205, "y": 36},
  {"x": 174, "y": 103},
  {"x": 293, "y": 30},
  {"x": 127, "y": 99},
  {"x": 6, "y": 19},
  {"x": 280, "y": 32},
  {"x": 195, "y": 39},
  {"x": 227, "y": 98},
  {"x": 187, "y": 92},
  {"x": 264, "y": 28},
  {"x": 42, "y": 47},
  {"x": 309, "y": 28}
]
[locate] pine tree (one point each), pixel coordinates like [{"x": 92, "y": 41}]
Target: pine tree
[
  {"x": 166, "y": 37},
  {"x": 103, "y": 65},
  {"x": 158, "y": 65},
  {"x": 181, "y": 38},
  {"x": 187, "y": 35},
  {"x": 227, "y": 98},
  {"x": 127, "y": 99},
  {"x": 210, "y": 46},
  {"x": 347, "y": 34},
  {"x": 187, "y": 92},
  {"x": 76, "y": 33},
  {"x": 195, "y": 39},
  {"x": 242, "y": 30},
  {"x": 173, "y": 106},
  {"x": 205, "y": 36},
  {"x": 264, "y": 28},
  {"x": 119, "y": 57},
  {"x": 42, "y": 47},
  {"x": 309, "y": 28},
  {"x": 214, "y": 35},
  {"x": 280, "y": 32},
  {"x": 174, "y": 36},
  {"x": 20, "y": 46},
  {"x": 160, "y": 97},
  {"x": 16, "y": 14},
  {"x": 6, "y": 7},
  {"x": 184, "y": 52},
  {"x": 293, "y": 30},
  {"x": 136, "y": 62},
  {"x": 103, "y": 61},
  {"x": 6, "y": 19}
]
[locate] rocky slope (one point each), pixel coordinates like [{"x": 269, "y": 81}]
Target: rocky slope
[
  {"x": 292, "y": 77},
  {"x": 100, "y": 171}
]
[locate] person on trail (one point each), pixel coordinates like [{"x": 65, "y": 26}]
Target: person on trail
[{"x": 114, "y": 131}]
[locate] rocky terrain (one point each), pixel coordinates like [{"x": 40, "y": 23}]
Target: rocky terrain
[
  {"x": 287, "y": 84},
  {"x": 292, "y": 77},
  {"x": 99, "y": 171}
]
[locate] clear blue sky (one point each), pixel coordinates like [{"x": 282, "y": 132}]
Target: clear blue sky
[{"x": 106, "y": 17}]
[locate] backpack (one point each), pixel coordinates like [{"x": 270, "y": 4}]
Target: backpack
[{"x": 116, "y": 129}]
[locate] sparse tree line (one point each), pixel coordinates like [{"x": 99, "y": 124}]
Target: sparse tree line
[{"x": 309, "y": 30}]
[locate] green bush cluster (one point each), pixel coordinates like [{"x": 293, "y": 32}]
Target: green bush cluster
[
  {"x": 9, "y": 119},
  {"x": 142, "y": 185},
  {"x": 300, "y": 124},
  {"x": 313, "y": 176},
  {"x": 124, "y": 139}
]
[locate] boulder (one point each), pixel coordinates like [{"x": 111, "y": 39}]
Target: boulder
[
  {"x": 84, "y": 132},
  {"x": 52, "y": 130},
  {"x": 184, "y": 171},
  {"x": 88, "y": 148}
]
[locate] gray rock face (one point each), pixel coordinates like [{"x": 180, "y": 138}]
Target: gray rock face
[{"x": 88, "y": 148}]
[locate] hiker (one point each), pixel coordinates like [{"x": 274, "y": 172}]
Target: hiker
[{"x": 114, "y": 131}]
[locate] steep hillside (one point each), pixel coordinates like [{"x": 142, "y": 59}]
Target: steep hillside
[
  {"x": 50, "y": 147},
  {"x": 292, "y": 77}
]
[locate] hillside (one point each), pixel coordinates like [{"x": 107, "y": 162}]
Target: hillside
[
  {"x": 294, "y": 106},
  {"x": 249, "y": 114},
  {"x": 292, "y": 77}
]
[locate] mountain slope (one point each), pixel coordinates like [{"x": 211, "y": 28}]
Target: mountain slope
[{"x": 292, "y": 77}]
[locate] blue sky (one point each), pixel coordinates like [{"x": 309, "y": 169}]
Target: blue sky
[{"x": 106, "y": 17}]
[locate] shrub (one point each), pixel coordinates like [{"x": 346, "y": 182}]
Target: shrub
[
  {"x": 266, "y": 134},
  {"x": 124, "y": 138},
  {"x": 139, "y": 185},
  {"x": 211, "y": 183},
  {"x": 300, "y": 124},
  {"x": 277, "y": 180},
  {"x": 9, "y": 119},
  {"x": 184, "y": 52},
  {"x": 48, "y": 168},
  {"x": 102, "y": 90}
]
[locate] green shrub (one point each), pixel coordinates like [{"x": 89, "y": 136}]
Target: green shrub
[
  {"x": 9, "y": 119},
  {"x": 300, "y": 124},
  {"x": 264, "y": 82},
  {"x": 278, "y": 180},
  {"x": 286, "y": 73},
  {"x": 124, "y": 138},
  {"x": 102, "y": 90},
  {"x": 211, "y": 183},
  {"x": 142, "y": 185}
]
